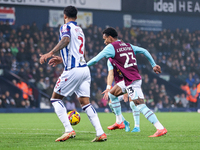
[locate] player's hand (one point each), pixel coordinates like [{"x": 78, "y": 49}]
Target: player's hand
[
  {"x": 43, "y": 58},
  {"x": 157, "y": 69},
  {"x": 105, "y": 94},
  {"x": 55, "y": 60},
  {"x": 125, "y": 97}
]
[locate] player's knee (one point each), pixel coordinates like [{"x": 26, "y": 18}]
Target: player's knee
[{"x": 84, "y": 101}]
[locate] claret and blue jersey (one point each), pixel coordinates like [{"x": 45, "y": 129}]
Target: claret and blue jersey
[
  {"x": 109, "y": 51},
  {"x": 73, "y": 53},
  {"x": 122, "y": 57}
]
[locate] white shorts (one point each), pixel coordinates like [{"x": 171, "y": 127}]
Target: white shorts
[
  {"x": 122, "y": 85},
  {"x": 134, "y": 90},
  {"x": 75, "y": 80}
]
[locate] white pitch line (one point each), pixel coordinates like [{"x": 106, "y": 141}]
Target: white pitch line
[{"x": 41, "y": 129}]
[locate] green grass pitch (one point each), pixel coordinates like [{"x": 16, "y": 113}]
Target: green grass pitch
[{"x": 38, "y": 131}]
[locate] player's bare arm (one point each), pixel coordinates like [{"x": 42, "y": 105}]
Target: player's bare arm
[
  {"x": 62, "y": 43},
  {"x": 110, "y": 79},
  {"x": 157, "y": 69}
]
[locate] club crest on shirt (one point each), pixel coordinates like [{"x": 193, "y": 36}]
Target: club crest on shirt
[{"x": 120, "y": 73}]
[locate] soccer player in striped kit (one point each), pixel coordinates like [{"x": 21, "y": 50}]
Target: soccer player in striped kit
[
  {"x": 122, "y": 55},
  {"x": 75, "y": 77}
]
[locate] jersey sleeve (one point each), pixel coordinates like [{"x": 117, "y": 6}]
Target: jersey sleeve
[
  {"x": 140, "y": 50},
  {"x": 65, "y": 31},
  {"x": 110, "y": 66},
  {"x": 107, "y": 52}
]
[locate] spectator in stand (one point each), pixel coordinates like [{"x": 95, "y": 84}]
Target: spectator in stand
[
  {"x": 5, "y": 102},
  {"x": 25, "y": 104},
  {"x": 145, "y": 84},
  {"x": 159, "y": 105},
  {"x": 22, "y": 74},
  {"x": 21, "y": 56},
  {"x": 185, "y": 87},
  {"x": 31, "y": 97},
  {"x": 24, "y": 87},
  {"x": 17, "y": 100},
  {"x": 2, "y": 39},
  {"x": 14, "y": 49},
  {"x": 184, "y": 101},
  {"x": 151, "y": 103},
  {"x": 41, "y": 85},
  {"x": 193, "y": 96},
  {"x": 163, "y": 90},
  {"x": 34, "y": 28},
  {"x": 190, "y": 80},
  {"x": 10, "y": 99},
  {"x": 166, "y": 102},
  {"x": 177, "y": 98}
]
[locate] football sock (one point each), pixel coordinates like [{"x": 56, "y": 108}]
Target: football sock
[
  {"x": 158, "y": 125},
  {"x": 136, "y": 114},
  {"x": 116, "y": 107},
  {"x": 123, "y": 118},
  {"x": 150, "y": 116},
  {"x": 61, "y": 112},
  {"x": 94, "y": 119},
  {"x": 110, "y": 105},
  {"x": 111, "y": 108}
]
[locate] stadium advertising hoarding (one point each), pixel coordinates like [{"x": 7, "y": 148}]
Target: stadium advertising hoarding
[
  {"x": 85, "y": 4},
  {"x": 189, "y": 7},
  {"x": 143, "y": 24},
  {"x": 83, "y": 18}
]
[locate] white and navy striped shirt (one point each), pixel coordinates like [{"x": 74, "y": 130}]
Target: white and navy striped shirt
[{"x": 73, "y": 53}]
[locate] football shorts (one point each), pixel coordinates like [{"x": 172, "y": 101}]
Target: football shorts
[
  {"x": 121, "y": 84},
  {"x": 76, "y": 80},
  {"x": 134, "y": 90}
]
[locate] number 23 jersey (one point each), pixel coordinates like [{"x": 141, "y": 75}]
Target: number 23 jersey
[{"x": 125, "y": 61}]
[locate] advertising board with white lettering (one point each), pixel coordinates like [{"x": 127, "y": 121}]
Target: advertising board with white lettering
[
  {"x": 183, "y": 7},
  {"x": 85, "y": 4}
]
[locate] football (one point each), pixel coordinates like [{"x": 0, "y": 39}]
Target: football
[{"x": 74, "y": 117}]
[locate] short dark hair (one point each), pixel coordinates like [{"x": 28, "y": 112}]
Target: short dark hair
[
  {"x": 110, "y": 32},
  {"x": 70, "y": 11}
]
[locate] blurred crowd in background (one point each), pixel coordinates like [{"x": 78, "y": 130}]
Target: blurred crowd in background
[{"x": 177, "y": 52}]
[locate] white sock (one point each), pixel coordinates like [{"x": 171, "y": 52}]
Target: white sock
[
  {"x": 118, "y": 119},
  {"x": 94, "y": 119},
  {"x": 158, "y": 125},
  {"x": 61, "y": 112}
]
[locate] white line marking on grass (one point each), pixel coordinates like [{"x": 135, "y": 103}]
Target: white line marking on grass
[
  {"x": 29, "y": 133},
  {"x": 42, "y": 129}
]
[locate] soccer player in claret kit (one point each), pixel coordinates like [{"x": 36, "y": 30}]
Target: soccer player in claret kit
[
  {"x": 75, "y": 77},
  {"x": 115, "y": 74},
  {"x": 122, "y": 55}
]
